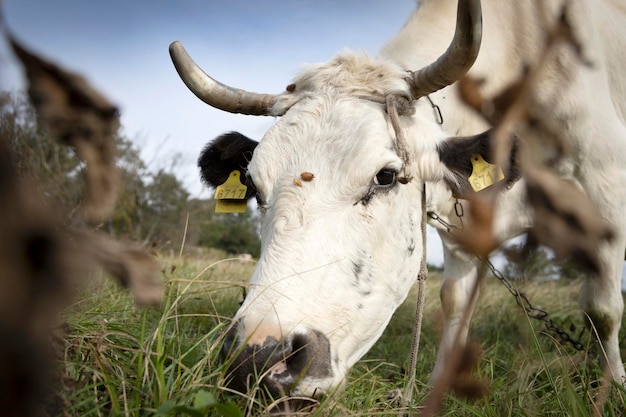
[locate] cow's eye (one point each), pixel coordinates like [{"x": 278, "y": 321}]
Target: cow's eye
[
  {"x": 386, "y": 176},
  {"x": 384, "y": 180}
]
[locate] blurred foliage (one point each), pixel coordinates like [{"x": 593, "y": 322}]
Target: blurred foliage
[
  {"x": 153, "y": 207},
  {"x": 234, "y": 233}
]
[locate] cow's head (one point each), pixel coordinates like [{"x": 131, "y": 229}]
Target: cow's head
[{"x": 341, "y": 247}]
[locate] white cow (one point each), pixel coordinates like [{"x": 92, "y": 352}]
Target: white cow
[{"x": 341, "y": 249}]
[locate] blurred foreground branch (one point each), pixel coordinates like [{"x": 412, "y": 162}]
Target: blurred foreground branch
[{"x": 42, "y": 257}]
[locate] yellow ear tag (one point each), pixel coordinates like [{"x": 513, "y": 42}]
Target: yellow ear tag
[
  {"x": 230, "y": 197},
  {"x": 484, "y": 174}
]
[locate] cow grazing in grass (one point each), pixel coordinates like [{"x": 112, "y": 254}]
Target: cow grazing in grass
[{"x": 341, "y": 250}]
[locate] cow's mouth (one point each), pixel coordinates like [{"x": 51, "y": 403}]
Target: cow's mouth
[{"x": 279, "y": 366}]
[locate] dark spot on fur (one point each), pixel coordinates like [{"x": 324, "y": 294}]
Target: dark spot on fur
[{"x": 411, "y": 248}]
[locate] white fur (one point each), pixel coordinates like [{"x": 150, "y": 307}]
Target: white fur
[{"x": 314, "y": 233}]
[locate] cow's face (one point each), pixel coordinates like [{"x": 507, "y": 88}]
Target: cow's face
[
  {"x": 339, "y": 252},
  {"x": 340, "y": 248}
]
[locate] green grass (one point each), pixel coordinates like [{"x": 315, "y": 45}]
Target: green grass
[{"x": 123, "y": 360}]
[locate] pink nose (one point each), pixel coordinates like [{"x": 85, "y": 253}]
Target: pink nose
[{"x": 278, "y": 365}]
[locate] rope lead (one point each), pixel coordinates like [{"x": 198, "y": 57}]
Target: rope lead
[{"x": 419, "y": 310}]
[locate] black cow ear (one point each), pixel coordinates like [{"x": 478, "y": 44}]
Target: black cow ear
[
  {"x": 456, "y": 154},
  {"x": 226, "y": 153}
]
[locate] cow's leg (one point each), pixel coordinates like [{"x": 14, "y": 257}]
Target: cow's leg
[
  {"x": 458, "y": 304},
  {"x": 601, "y": 300}
]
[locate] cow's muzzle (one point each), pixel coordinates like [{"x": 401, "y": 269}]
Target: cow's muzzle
[{"x": 277, "y": 365}]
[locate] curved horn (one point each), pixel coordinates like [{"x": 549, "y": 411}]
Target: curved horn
[
  {"x": 218, "y": 95},
  {"x": 459, "y": 56}
]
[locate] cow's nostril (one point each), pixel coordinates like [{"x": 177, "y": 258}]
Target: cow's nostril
[
  {"x": 301, "y": 355},
  {"x": 291, "y": 367}
]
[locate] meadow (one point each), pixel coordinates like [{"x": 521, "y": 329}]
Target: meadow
[{"x": 117, "y": 359}]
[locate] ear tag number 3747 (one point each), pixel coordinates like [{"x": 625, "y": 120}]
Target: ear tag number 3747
[
  {"x": 484, "y": 174},
  {"x": 230, "y": 197}
]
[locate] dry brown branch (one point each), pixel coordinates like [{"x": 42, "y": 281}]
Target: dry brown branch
[
  {"x": 564, "y": 220},
  {"x": 70, "y": 110},
  {"x": 134, "y": 268},
  {"x": 461, "y": 361},
  {"x": 477, "y": 236},
  {"x": 43, "y": 258}
]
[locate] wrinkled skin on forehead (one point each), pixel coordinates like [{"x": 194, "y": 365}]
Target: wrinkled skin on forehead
[{"x": 339, "y": 253}]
